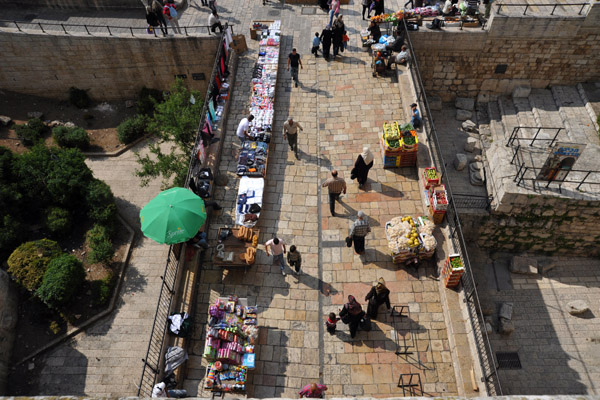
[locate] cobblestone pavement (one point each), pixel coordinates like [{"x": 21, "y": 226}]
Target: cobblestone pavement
[
  {"x": 105, "y": 360},
  {"x": 342, "y": 108},
  {"x": 559, "y": 352}
]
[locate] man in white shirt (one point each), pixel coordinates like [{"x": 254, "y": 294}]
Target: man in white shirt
[
  {"x": 278, "y": 249},
  {"x": 242, "y": 129},
  {"x": 400, "y": 58},
  {"x": 214, "y": 23},
  {"x": 160, "y": 390}
]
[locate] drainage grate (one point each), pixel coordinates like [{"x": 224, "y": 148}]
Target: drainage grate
[
  {"x": 508, "y": 360},
  {"x": 274, "y": 13},
  {"x": 309, "y": 10}
]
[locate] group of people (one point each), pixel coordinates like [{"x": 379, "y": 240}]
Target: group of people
[
  {"x": 376, "y": 6},
  {"x": 352, "y": 313},
  {"x": 159, "y": 13},
  {"x": 333, "y": 35}
]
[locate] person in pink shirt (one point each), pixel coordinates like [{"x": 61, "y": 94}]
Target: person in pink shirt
[
  {"x": 314, "y": 390},
  {"x": 278, "y": 249}
]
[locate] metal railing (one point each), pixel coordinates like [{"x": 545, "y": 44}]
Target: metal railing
[
  {"x": 154, "y": 354},
  {"x": 471, "y": 201},
  {"x": 515, "y": 135},
  {"x": 111, "y": 30},
  {"x": 484, "y": 349},
  {"x": 553, "y": 5}
]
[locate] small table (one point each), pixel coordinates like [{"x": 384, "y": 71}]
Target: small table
[{"x": 235, "y": 245}]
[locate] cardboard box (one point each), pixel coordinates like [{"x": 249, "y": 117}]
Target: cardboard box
[{"x": 239, "y": 44}]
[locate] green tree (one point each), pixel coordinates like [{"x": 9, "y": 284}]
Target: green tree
[
  {"x": 29, "y": 262},
  {"x": 62, "y": 279},
  {"x": 58, "y": 221},
  {"x": 101, "y": 203},
  {"x": 176, "y": 123},
  {"x": 101, "y": 249}
]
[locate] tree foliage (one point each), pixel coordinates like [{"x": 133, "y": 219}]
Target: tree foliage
[
  {"x": 29, "y": 262},
  {"x": 71, "y": 137},
  {"x": 176, "y": 123},
  {"x": 62, "y": 279}
]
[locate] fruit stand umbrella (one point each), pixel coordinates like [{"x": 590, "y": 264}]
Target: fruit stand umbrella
[{"x": 173, "y": 216}]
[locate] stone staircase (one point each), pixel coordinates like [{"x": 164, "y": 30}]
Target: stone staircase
[{"x": 558, "y": 107}]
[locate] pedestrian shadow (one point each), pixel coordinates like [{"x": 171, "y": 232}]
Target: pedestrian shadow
[
  {"x": 372, "y": 255},
  {"x": 315, "y": 283},
  {"x": 313, "y": 89},
  {"x": 352, "y": 60},
  {"x": 312, "y": 159}
]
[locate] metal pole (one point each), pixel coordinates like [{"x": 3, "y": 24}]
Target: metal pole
[
  {"x": 63, "y": 26},
  {"x": 555, "y": 136},
  {"x": 131, "y": 30},
  {"x": 17, "y": 25},
  {"x": 185, "y": 29},
  {"x": 535, "y": 137},
  {"x": 41, "y": 27},
  {"x": 582, "y": 7},
  {"x": 553, "y": 8},
  {"x": 86, "y": 29},
  {"x": 109, "y": 32},
  {"x": 584, "y": 178},
  {"x": 526, "y": 7}
]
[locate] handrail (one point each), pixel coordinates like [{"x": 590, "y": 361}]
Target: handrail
[
  {"x": 85, "y": 28},
  {"x": 484, "y": 349},
  {"x": 554, "y": 5}
]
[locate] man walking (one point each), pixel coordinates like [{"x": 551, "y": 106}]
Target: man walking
[
  {"x": 290, "y": 132},
  {"x": 294, "y": 61},
  {"x": 360, "y": 229},
  {"x": 278, "y": 249},
  {"x": 243, "y": 128},
  {"x": 336, "y": 186}
]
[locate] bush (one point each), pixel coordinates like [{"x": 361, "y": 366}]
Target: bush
[
  {"x": 74, "y": 137},
  {"x": 32, "y": 132},
  {"x": 147, "y": 100},
  {"x": 58, "y": 221},
  {"x": 79, "y": 97},
  {"x": 102, "y": 289},
  {"x": 29, "y": 262},
  {"x": 62, "y": 279},
  {"x": 131, "y": 129},
  {"x": 101, "y": 249},
  {"x": 101, "y": 203},
  {"x": 11, "y": 233}
]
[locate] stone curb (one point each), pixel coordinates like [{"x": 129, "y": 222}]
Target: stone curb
[
  {"x": 118, "y": 152},
  {"x": 110, "y": 309}
]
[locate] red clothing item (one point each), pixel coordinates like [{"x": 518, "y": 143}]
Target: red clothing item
[{"x": 305, "y": 392}]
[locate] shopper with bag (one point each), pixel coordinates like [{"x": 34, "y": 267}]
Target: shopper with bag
[
  {"x": 170, "y": 14},
  {"x": 360, "y": 229},
  {"x": 378, "y": 295},
  {"x": 364, "y": 162},
  {"x": 352, "y": 314}
]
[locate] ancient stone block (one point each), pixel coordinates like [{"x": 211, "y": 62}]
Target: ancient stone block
[
  {"x": 521, "y": 91},
  {"x": 506, "y": 327},
  {"x": 577, "y": 307},
  {"x": 524, "y": 265},
  {"x": 506, "y": 310},
  {"x": 469, "y": 126},
  {"x": 460, "y": 161},
  {"x": 463, "y": 115},
  {"x": 4, "y": 120},
  {"x": 435, "y": 103},
  {"x": 464, "y": 103},
  {"x": 470, "y": 145}
]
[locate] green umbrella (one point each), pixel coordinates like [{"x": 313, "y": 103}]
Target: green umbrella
[{"x": 173, "y": 216}]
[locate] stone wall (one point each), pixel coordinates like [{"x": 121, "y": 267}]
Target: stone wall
[
  {"x": 74, "y": 4},
  {"x": 111, "y": 68},
  {"x": 8, "y": 322},
  {"x": 540, "y": 224},
  {"x": 540, "y": 51}
]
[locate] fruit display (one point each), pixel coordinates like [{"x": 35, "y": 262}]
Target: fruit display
[
  {"x": 453, "y": 270},
  {"x": 388, "y": 17},
  {"x": 431, "y": 177},
  {"x": 430, "y": 173},
  {"x": 408, "y": 236},
  {"x": 391, "y": 130},
  {"x": 456, "y": 262}
]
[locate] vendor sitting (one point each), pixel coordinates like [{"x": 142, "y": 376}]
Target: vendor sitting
[
  {"x": 396, "y": 45},
  {"x": 401, "y": 58},
  {"x": 374, "y": 32},
  {"x": 449, "y": 8}
]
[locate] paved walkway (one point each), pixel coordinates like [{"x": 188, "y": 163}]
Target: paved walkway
[
  {"x": 106, "y": 359},
  {"x": 342, "y": 108}
]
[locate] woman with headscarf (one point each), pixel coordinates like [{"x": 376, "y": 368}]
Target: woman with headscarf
[
  {"x": 378, "y": 295},
  {"x": 351, "y": 314},
  {"x": 363, "y": 164},
  {"x": 326, "y": 41},
  {"x": 338, "y": 35}
]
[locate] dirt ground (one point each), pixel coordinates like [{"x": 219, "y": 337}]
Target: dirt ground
[
  {"x": 100, "y": 119},
  {"x": 34, "y": 321}
]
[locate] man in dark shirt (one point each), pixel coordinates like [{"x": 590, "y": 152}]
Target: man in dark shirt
[
  {"x": 294, "y": 61},
  {"x": 374, "y": 31}
]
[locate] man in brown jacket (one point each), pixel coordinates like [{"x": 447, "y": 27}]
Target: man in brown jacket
[{"x": 336, "y": 186}]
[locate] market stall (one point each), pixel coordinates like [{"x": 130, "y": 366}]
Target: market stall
[
  {"x": 410, "y": 237},
  {"x": 237, "y": 247},
  {"x": 230, "y": 344},
  {"x": 437, "y": 202},
  {"x": 249, "y": 201},
  {"x": 399, "y": 145}
]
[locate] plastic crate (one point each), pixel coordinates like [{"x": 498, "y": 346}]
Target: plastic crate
[{"x": 430, "y": 182}]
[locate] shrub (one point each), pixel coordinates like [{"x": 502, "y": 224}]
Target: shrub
[
  {"x": 79, "y": 97},
  {"x": 11, "y": 233},
  {"x": 101, "y": 203},
  {"x": 58, "y": 221},
  {"x": 102, "y": 289},
  {"x": 101, "y": 249},
  {"x": 74, "y": 137},
  {"x": 64, "y": 276},
  {"x": 132, "y": 129},
  {"x": 29, "y": 262},
  {"x": 147, "y": 100},
  {"x": 32, "y": 132}
]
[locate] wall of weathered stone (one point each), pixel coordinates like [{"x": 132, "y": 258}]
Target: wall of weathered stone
[
  {"x": 540, "y": 224},
  {"x": 8, "y": 322},
  {"x": 74, "y": 4},
  {"x": 110, "y": 67},
  {"x": 540, "y": 51}
]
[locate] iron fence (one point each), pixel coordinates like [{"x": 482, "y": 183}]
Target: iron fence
[
  {"x": 154, "y": 354},
  {"x": 484, "y": 349},
  {"x": 111, "y": 30},
  {"x": 472, "y": 201},
  {"x": 553, "y": 5}
]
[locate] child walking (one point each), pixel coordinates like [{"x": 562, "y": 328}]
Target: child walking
[
  {"x": 331, "y": 323},
  {"x": 345, "y": 40},
  {"x": 294, "y": 259},
  {"x": 315, "y": 45}
]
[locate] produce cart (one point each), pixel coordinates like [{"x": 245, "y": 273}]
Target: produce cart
[
  {"x": 410, "y": 237},
  {"x": 235, "y": 250},
  {"x": 231, "y": 338},
  {"x": 399, "y": 145}
]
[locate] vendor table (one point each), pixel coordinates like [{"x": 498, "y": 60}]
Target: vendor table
[
  {"x": 254, "y": 32},
  {"x": 235, "y": 246}
]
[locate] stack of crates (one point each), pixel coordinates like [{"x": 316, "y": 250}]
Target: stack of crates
[
  {"x": 452, "y": 274},
  {"x": 405, "y": 154},
  {"x": 437, "y": 209}
]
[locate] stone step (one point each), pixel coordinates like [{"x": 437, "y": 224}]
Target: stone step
[
  {"x": 509, "y": 115},
  {"x": 588, "y": 105},
  {"x": 546, "y": 115},
  {"x": 574, "y": 115},
  {"x": 496, "y": 128},
  {"x": 525, "y": 117}
]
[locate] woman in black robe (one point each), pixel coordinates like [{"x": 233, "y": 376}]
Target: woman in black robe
[
  {"x": 379, "y": 7},
  {"x": 378, "y": 295},
  {"x": 351, "y": 314},
  {"x": 326, "y": 41},
  {"x": 363, "y": 164}
]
